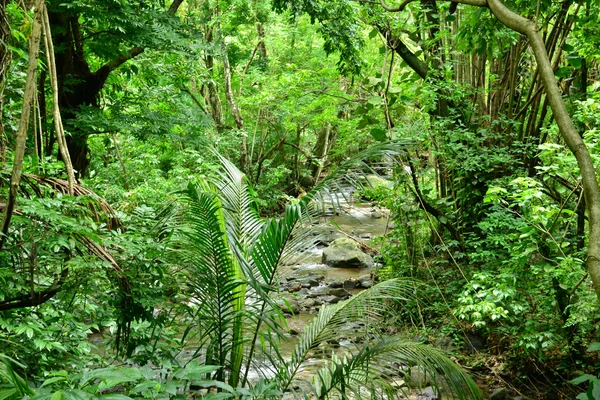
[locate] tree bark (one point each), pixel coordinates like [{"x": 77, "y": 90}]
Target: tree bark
[
  {"x": 569, "y": 133},
  {"x": 77, "y": 84},
  {"x": 235, "y": 112},
  {"x": 30, "y": 85}
]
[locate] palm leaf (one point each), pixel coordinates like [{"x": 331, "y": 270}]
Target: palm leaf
[
  {"x": 374, "y": 366},
  {"x": 367, "y": 305},
  {"x": 214, "y": 276}
]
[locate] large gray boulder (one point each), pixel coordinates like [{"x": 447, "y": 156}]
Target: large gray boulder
[{"x": 345, "y": 253}]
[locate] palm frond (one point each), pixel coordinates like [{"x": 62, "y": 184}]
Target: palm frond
[
  {"x": 241, "y": 218},
  {"x": 373, "y": 367},
  {"x": 366, "y": 306},
  {"x": 354, "y": 164},
  {"x": 214, "y": 277}
]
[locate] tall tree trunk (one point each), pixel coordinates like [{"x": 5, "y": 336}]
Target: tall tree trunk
[
  {"x": 5, "y": 60},
  {"x": 77, "y": 84},
  {"x": 567, "y": 128},
  {"x": 30, "y": 85},
  {"x": 235, "y": 112}
]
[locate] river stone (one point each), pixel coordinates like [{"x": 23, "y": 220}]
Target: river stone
[
  {"x": 335, "y": 284},
  {"x": 339, "y": 292},
  {"x": 376, "y": 181},
  {"x": 345, "y": 253},
  {"x": 416, "y": 378},
  {"x": 365, "y": 281},
  {"x": 330, "y": 299},
  {"x": 289, "y": 304},
  {"x": 318, "y": 291},
  {"x": 308, "y": 303},
  {"x": 498, "y": 394},
  {"x": 350, "y": 284},
  {"x": 428, "y": 394},
  {"x": 376, "y": 215},
  {"x": 309, "y": 282}
]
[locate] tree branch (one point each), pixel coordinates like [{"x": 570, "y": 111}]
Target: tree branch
[
  {"x": 110, "y": 66},
  {"x": 402, "y": 6}
]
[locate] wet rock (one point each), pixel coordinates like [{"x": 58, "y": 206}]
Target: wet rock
[
  {"x": 498, "y": 394},
  {"x": 308, "y": 303},
  {"x": 397, "y": 383},
  {"x": 376, "y": 215},
  {"x": 445, "y": 343},
  {"x": 366, "y": 236},
  {"x": 335, "y": 284},
  {"x": 289, "y": 304},
  {"x": 365, "y": 281},
  {"x": 294, "y": 331},
  {"x": 330, "y": 299},
  {"x": 339, "y": 292},
  {"x": 416, "y": 378},
  {"x": 427, "y": 394},
  {"x": 350, "y": 284},
  {"x": 345, "y": 253},
  {"x": 474, "y": 343},
  {"x": 296, "y": 287},
  {"x": 318, "y": 291},
  {"x": 309, "y": 282}
]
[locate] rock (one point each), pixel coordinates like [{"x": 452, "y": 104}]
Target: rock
[
  {"x": 345, "y": 253},
  {"x": 397, "y": 383},
  {"x": 308, "y": 303},
  {"x": 330, "y": 299},
  {"x": 416, "y": 378},
  {"x": 289, "y": 304},
  {"x": 294, "y": 331},
  {"x": 474, "y": 343},
  {"x": 375, "y": 181},
  {"x": 445, "y": 343},
  {"x": 350, "y": 284},
  {"x": 427, "y": 394},
  {"x": 296, "y": 287},
  {"x": 335, "y": 285},
  {"x": 339, "y": 292},
  {"x": 365, "y": 281},
  {"x": 318, "y": 291},
  {"x": 309, "y": 282},
  {"x": 498, "y": 394},
  {"x": 376, "y": 215}
]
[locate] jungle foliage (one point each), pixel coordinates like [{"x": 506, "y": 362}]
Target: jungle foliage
[{"x": 161, "y": 160}]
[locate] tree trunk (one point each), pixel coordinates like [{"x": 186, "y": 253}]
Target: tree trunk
[
  {"x": 235, "y": 112},
  {"x": 30, "y": 85},
  {"x": 567, "y": 128}
]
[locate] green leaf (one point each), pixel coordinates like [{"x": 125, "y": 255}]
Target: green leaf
[
  {"x": 379, "y": 134},
  {"x": 7, "y": 393},
  {"x": 582, "y": 378},
  {"x": 594, "y": 347},
  {"x": 562, "y": 72},
  {"x": 50, "y": 381},
  {"x": 375, "y": 100},
  {"x": 575, "y": 61}
]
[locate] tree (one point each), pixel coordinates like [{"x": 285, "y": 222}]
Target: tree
[{"x": 100, "y": 40}]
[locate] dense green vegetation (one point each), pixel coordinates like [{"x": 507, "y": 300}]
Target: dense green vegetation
[{"x": 160, "y": 162}]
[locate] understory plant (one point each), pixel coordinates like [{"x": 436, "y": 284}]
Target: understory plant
[{"x": 227, "y": 258}]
